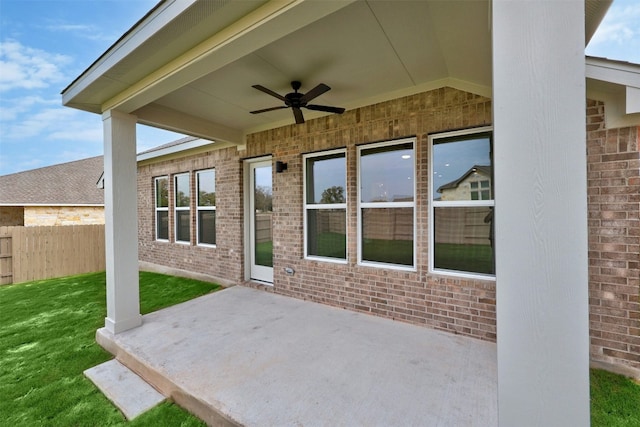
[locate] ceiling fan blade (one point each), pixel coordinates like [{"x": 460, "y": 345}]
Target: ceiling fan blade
[
  {"x": 268, "y": 109},
  {"x": 270, "y": 92},
  {"x": 297, "y": 113},
  {"x": 314, "y": 93},
  {"x": 328, "y": 109}
]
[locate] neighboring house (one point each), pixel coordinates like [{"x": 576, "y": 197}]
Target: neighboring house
[
  {"x": 63, "y": 194},
  {"x": 343, "y": 209}
]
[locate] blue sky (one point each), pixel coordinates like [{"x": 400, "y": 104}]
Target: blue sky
[{"x": 45, "y": 44}]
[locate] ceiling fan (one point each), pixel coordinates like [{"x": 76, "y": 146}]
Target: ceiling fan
[{"x": 296, "y": 100}]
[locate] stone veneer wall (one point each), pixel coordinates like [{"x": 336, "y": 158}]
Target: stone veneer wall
[
  {"x": 63, "y": 215},
  {"x": 614, "y": 239}
]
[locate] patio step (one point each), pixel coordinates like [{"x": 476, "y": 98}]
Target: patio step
[{"x": 130, "y": 393}]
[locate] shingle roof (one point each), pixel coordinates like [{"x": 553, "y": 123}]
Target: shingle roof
[
  {"x": 170, "y": 144},
  {"x": 72, "y": 183},
  {"x": 453, "y": 184}
]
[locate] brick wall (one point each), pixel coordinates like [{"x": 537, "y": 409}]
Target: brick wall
[
  {"x": 225, "y": 261},
  {"x": 452, "y": 304},
  {"x": 63, "y": 215},
  {"x": 449, "y": 303},
  {"x": 614, "y": 239}
]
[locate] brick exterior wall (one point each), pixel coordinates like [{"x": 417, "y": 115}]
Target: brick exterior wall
[
  {"x": 63, "y": 215},
  {"x": 453, "y": 304},
  {"x": 226, "y": 260},
  {"x": 449, "y": 303},
  {"x": 614, "y": 239}
]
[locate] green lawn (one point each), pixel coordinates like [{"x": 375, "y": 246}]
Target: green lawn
[
  {"x": 388, "y": 251},
  {"x": 47, "y": 339},
  {"x": 332, "y": 245},
  {"x": 472, "y": 258},
  {"x": 264, "y": 254},
  {"x": 615, "y": 400}
]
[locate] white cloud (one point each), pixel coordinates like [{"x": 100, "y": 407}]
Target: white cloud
[
  {"x": 11, "y": 109},
  {"x": 23, "y": 67},
  {"x": 85, "y": 31},
  {"x": 618, "y": 36},
  {"x": 46, "y": 120}
]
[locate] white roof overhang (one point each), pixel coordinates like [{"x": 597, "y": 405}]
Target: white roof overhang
[
  {"x": 188, "y": 65},
  {"x": 618, "y": 85}
]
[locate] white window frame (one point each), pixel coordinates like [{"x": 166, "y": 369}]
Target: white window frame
[
  {"x": 204, "y": 208},
  {"x": 457, "y": 203},
  {"x": 160, "y": 209},
  {"x": 374, "y": 205},
  {"x": 327, "y": 206},
  {"x": 177, "y": 208}
]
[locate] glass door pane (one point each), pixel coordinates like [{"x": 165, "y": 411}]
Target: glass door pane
[{"x": 263, "y": 209}]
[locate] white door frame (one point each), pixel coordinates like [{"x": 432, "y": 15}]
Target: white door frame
[{"x": 253, "y": 271}]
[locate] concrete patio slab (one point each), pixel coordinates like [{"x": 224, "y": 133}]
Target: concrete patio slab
[
  {"x": 247, "y": 357},
  {"x": 130, "y": 393}
]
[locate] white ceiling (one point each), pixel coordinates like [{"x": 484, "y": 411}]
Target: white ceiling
[
  {"x": 363, "y": 51},
  {"x": 367, "y": 51}
]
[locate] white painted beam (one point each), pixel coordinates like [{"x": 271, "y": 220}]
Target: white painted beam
[
  {"x": 541, "y": 213},
  {"x": 270, "y": 22},
  {"x": 121, "y": 222},
  {"x": 632, "y": 100},
  {"x": 177, "y": 121}
]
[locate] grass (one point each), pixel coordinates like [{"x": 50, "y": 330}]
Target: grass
[
  {"x": 615, "y": 400},
  {"x": 332, "y": 245},
  {"x": 47, "y": 340},
  {"x": 472, "y": 258},
  {"x": 388, "y": 251},
  {"x": 264, "y": 253}
]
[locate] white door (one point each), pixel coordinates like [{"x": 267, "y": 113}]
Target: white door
[{"x": 260, "y": 221}]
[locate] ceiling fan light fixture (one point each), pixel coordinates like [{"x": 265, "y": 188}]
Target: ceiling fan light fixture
[{"x": 296, "y": 100}]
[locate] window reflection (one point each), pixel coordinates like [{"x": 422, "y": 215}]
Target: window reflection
[
  {"x": 386, "y": 174},
  {"x": 463, "y": 239},
  {"x": 326, "y": 179},
  {"x": 462, "y": 169}
]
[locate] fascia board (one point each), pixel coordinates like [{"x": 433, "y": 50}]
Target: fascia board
[
  {"x": 154, "y": 22},
  {"x": 190, "y": 145}
]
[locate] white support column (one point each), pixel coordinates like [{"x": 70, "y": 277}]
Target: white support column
[
  {"x": 121, "y": 221},
  {"x": 541, "y": 213}
]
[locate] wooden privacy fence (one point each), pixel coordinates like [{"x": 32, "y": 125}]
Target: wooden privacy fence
[{"x": 35, "y": 253}]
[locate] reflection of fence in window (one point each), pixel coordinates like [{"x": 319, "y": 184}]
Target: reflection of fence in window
[
  {"x": 463, "y": 226},
  {"x": 263, "y": 227},
  {"x": 388, "y": 224},
  {"x": 331, "y": 221}
]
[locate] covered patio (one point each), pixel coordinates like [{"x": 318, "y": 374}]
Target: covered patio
[
  {"x": 246, "y": 357},
  {"x": 189, "y": 66}
]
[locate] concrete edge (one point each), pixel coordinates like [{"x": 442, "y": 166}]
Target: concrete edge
[
  {"x": 124, "y": 388},
  {"x": 206, "y": 412},
  {"x": 627, "y": 371},
  {"x": 157, "y": 268}
]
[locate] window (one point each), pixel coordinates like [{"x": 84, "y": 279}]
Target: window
[
  {"x": 182, "y": 208},
  {"x": 386, "y": 203},
  {"x": 206, "y": 207},
  {"x": 462, "y": 203},
  {"x": 161, "y": 185},
  {"x": 325, "y": 205}
]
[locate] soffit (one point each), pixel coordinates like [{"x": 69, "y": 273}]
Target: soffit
[{"x": 367, "y": 51}]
